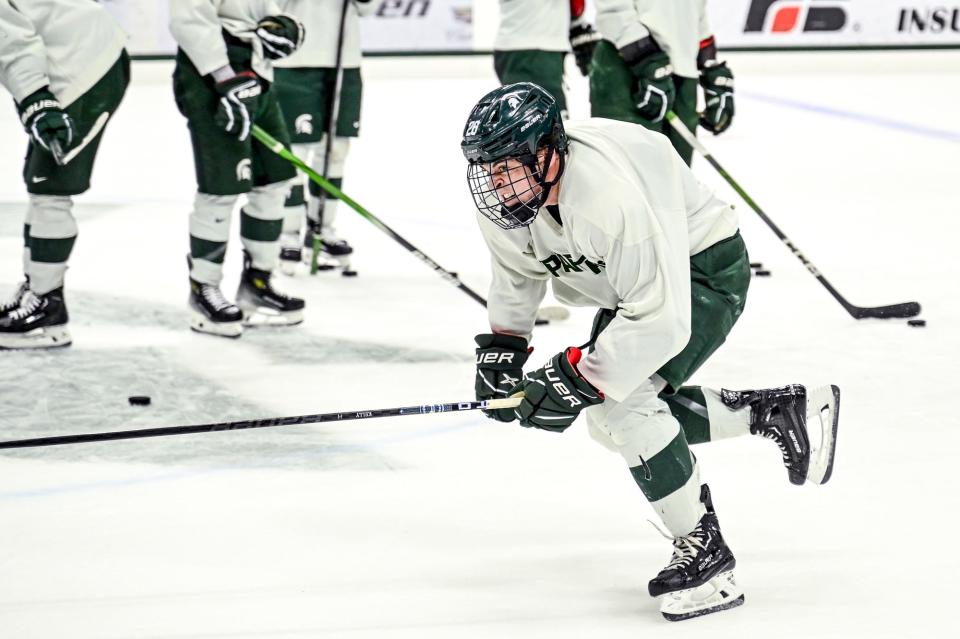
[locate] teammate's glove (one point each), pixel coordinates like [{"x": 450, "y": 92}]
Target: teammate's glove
[
  {"x": 500, "y": 360},
  {"x": 717, "y": 82},
  {"x": 655, "y": 90},
  {"x": 583, "y": 40},
  {"x": 280, "y": 35},
  {"x": 239, "y": 99},
  {"x": 555, "y": 394},
  {"x": 47, "y": 124}
]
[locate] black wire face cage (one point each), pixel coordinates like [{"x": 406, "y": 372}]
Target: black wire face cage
[{"x": 509, "y": 197}]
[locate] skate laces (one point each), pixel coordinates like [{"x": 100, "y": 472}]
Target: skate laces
[
  {"x": 212, "y": 295},
  {"x": 14, "y": 302},
  {"x": 686, "y": 547},
  {"x": 28, "y": 304}
]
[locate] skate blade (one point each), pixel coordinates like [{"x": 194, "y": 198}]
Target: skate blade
[
  {"x": 324, "y": 262},
  {"x": 45, "y": 337},
  {"x": 265, "y": 317},
  {"x": 823, "y": 407},
  {"x": 719, "y": 593},
  {"x": 202, "y": 324},
  {"x": 289, "y": 267}
]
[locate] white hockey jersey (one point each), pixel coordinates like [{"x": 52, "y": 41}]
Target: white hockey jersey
[
  {"x": 197, "y": 27},
  {"x": 542, "y": 25},
  {"x": 321, "y": 19},
  {"x": 677, "y": 26},
  {"x": 633, "y": 214},
  {"x": 66, "y": 44}
]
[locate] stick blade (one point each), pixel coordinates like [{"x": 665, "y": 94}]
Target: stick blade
[{"x": 894, "y": 311}]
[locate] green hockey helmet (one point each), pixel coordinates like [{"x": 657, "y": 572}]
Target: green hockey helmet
[{"x": 509, "y": 141}]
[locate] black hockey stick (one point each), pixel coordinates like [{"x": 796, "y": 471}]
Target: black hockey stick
[
  {"x": 269, "y": 422},
  {"x": 277, "y": 147},
  {"x": 904, "y": 310},
  {"x": 331, "y": 133}
]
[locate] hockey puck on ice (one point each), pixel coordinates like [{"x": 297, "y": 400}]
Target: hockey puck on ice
[
  {"x": 917, "y": 322},
  {"x": 762, "y": 273},
  {"x": 756, "y": 264},
  {"x": 139, "y": 400},
  {"x": 349, "y": 272}
]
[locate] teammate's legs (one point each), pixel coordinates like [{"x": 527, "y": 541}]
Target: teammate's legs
[
  {"x": 543, "y": 68},
  {"x": 261, "y": 222},
  {"x": 322, "y": 208},
  {"x": 40, "y": 316},
  {"x": 300, "y": 92},
  {"x": 612, "y": 87},
  {"x": 685, "y": 106},
  {"x": 224, "y": 171},
  {"x": 52, "y": 227}
]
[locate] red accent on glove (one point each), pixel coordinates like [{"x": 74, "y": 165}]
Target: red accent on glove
[
  {"x": 574, "y": 356},
  {"x": 576, "y": 8},
  {"x": 706, "y": 42}
]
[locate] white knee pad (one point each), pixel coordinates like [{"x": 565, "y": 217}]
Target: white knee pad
[
  {"x": 266, "y": 202},
  {"x": 51, "y": 217},
  {"x": 338, "y": 156},
  {"x": 210, "y": 219}
]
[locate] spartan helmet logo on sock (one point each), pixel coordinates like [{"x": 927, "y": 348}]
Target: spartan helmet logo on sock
[
  {"x": 244, "y": 170},
  {"x": 304, "y": 124},
  {"x": 515, "y": 148}
]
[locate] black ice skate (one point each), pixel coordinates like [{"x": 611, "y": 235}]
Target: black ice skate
[
  {"x": 40, "y": 321},
  {"x": 335, "y": 251},
  {"x": 783, "y": 415},
  {"x": 212, "y": 313},
  {"x": 263, "y": 305},
  {"x": 699, "y": 578},
  {"x": 13, "y": 303}
]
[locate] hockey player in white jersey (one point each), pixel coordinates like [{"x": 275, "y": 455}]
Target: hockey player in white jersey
[
  {"x": 652, "y": 54},
  {"x": 608, "y": 213},
  {"x": 533, "y": 38},
  {"x": 222, "y": 85},
  {"x": 65, "y": 65},
  {"x": 306, "y": 85}
]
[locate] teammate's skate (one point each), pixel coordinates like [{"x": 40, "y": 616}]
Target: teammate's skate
[
  {"x": 13, "y": 303},
  {"x": 291, "y": 253},
  {"x": 334, "y": 251},
  {"x": 784, "y": 415},
  {"x": 211, "y": 312},
  {"x": 40, "y": 321},
  {"x": 699, "y": 578},
  {"x": 263, "y": 305}
]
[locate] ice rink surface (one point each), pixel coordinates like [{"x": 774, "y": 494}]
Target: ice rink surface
[{"x": 451, "y": 525}]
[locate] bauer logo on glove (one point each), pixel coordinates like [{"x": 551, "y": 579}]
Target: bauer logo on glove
[{"x": 555, "y": 394}]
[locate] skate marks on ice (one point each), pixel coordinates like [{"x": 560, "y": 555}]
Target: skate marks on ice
[
  {"x": 86, "y": 391},
  {"x": 286, "y": 345}
]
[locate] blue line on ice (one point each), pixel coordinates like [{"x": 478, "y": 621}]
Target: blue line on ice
[{"x": 944, "y": 135}]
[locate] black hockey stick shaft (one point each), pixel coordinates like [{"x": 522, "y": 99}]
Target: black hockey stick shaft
[
  {"x": 278, "y": 148},
  {"x": 903, "y": 310},
  {"x": 333, "y": 121},
  {"x": 269, "y": 422}
]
